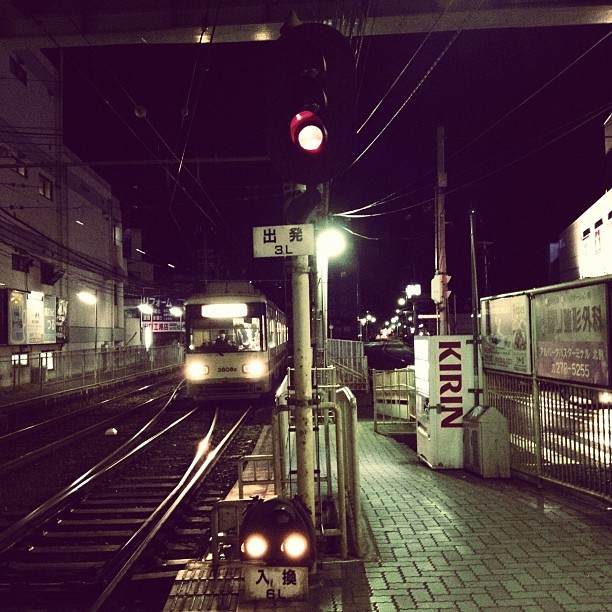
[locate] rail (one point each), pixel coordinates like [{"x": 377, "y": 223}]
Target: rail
[{"x": 45, "y": 375}]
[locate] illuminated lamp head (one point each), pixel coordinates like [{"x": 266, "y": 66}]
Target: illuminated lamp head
[{"x": 308, "y": 132}]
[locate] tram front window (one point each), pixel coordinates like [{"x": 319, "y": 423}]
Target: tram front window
[{"x": 234, "y": 335}]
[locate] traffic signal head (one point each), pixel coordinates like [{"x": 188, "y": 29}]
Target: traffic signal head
[
  {"x": 311, "y": 103},
  {"x": 277, "y": 532}
]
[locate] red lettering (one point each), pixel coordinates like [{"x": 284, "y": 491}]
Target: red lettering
[
  {"x": 448, "y": 352},
  {"x": 451, "y": 420},
  {"x": 454, "y": 384}
]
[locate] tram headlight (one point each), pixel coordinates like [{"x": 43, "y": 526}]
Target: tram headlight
[
  {"x": 254, "y": 368},
  {"x": 196, "y": 370}
]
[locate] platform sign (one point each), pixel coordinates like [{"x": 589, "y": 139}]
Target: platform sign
[
  {"x": 267, "y": 582},
  {"x": 283, "y": 240}
]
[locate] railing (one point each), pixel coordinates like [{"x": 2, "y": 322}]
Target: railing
[
  {"x": 52, "y": 373},
  {"x": 350, "y": 362},
  {"x": 558, "y": 432},
  {"x": 336, "y": 460},
  {"x": 394, "y": 396}
]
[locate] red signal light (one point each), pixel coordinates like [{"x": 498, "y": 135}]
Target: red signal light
[{"x": 308, "y": 132}]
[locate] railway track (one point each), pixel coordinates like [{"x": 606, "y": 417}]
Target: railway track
[{"x": 144, "y": 505}]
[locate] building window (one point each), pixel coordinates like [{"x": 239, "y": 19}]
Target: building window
[
  {"x": 18, "y": 71},
  {"x": 45, "y": 187},
  {"x": 21, "y": 263},
  {"x": 21, "y": 170},
  {"x": 19, "y": 359},
  {"x": 46, "y": 360}
]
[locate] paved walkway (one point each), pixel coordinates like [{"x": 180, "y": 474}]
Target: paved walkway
[{"x": 453, "y": 541}]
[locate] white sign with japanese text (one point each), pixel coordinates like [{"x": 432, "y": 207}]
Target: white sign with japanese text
[
  {"x": 263, "y": 582},
  {"x": 283, "y": 240}
]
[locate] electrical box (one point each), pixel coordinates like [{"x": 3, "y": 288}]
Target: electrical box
[
  {"x": 444, "y": 381},
  {"x": 486, "y": 442}
]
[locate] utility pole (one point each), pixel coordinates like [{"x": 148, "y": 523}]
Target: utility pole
[{"x": 439, "y": 290}]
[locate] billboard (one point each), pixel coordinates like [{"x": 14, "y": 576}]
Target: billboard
[
  {"x": 32, "y": 318},
  {"x": 571, "y": 335},
  {"x": 506, "y": 341}
]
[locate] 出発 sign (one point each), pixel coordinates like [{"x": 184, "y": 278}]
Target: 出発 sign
[
  {"x": 571, "y": 334},
  {"x": 283, "y": 240}
]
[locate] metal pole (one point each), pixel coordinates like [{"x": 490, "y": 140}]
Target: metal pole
[
  {"x": 475, "y": 321},
  {"x": 441, "y": 183},
  {"x": 303, "y": 383}
]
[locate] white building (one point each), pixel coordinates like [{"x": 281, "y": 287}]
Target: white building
[
  {"x": 584, "y": 249},
  {"x": 60, "y": 229}
]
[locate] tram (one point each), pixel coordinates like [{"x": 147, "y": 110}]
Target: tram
[{"x": 236, "y": 342}]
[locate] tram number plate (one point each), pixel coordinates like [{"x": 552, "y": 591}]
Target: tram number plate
[{"x": 264, "y": 582}]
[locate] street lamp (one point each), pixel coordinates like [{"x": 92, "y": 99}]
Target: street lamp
[
  {"x": 91, "y": 299},
  {"x": 413, "y": 291},
  {"x": 146, "y": 309},
  {"x": 365, "y": 321},
  {"x": 330, "y": 243}
]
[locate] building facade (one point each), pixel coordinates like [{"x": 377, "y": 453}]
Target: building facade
[{"x": 62, "y": 269}]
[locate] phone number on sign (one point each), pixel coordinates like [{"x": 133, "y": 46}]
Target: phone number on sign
[{"x": 576, "y": 370}]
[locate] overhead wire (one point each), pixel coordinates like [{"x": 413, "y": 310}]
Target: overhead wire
[
  {"x": 419, "y": 84},
  {"x": 533, "y": 95},
  {"x": 583, "y": 120},
  {"x": 402, "y": 72},
  {"x": 395, "y": 195},
  {"x": 149, "y": 123}
]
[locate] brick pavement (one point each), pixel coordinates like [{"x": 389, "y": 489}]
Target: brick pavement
[
  {"x": 450, "y": 540},
  {"x": 453, "y": 541}
]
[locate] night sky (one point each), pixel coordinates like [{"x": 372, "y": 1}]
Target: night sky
[{"x": 527, "y": 164}]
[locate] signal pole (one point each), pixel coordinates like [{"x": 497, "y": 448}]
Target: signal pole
[{"x": 303, "y": 382}]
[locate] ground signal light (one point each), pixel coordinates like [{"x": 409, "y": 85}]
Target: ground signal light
[
  {"x": 278, "y": 532},
  {"x": 311, "y": 103}
]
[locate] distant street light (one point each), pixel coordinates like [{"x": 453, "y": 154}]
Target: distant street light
[
  {"x": 176, "y": 311},
  {"x": 146, "y": 309},
  {"x": 91, "y": 299}
]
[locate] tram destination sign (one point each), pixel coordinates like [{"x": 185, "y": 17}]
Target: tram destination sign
[
  {"x": 571, "y": 334},
  {"x": 283, "y": 240}
]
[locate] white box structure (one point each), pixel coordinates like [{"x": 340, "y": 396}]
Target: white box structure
[{"x": 444, "y": 380}]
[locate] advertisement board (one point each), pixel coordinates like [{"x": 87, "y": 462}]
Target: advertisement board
[
  {"x": 161, "y": 319},
  {"x": 32, "y": 318},
  {"x": 506, "y": 341},
  {"x": 571, "y": 335}
]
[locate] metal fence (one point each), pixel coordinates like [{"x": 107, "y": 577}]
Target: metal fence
[
  {"x": 351, "y": 363},
  {"x": 558, "y": 431},
  {"x": 28, "y": 375},
  {"x": 394, "y": 398}
]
